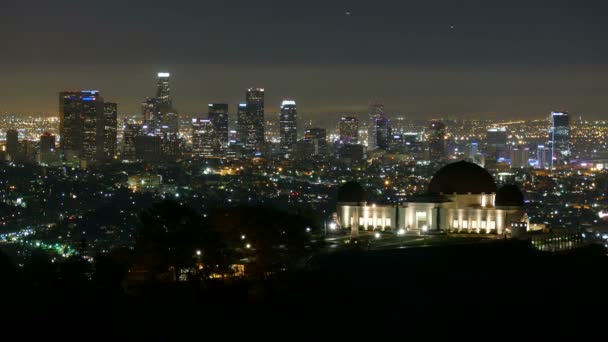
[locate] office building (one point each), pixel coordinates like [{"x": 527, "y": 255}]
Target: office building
[
  {"x": 12, "y": 143},
  {"x": 318, "y": 140},
  {"x": 204, "y": 139},
  {"x": 218, "y": 114},
  {"x": 436, "y": 141},
  {"x": 348, "y": 128},
  {"x": 288, "y": 126},
  {"x": 80, "y": 113},
  {"x": 252, "y": 124},
  {"x": 108, "y": 132},
  {"x": 376, "y": 111},
  {"x": 520, "y": 156},
  {"x": 496, "y": 143},
  {"x": 383, "y": 133},
  {"x": 130, "y": 132},
  {"x": 560, "y": 139}
]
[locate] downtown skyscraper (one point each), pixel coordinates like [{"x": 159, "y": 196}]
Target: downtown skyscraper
[
  {"x": 348, "y": 129},
  {"x": 108, "y": 131},
  {"x": 80, "y": 113},
  {"x": 288, "y": 126},
  {"x": 376, "y": 111},
  {"x": 560, "y": 138},
  {"x": 204, "y": 138},
  {"x": 436, "y": 141},
  {"x": 218, "y": 114},
  {"x": 250, "y": 122}
]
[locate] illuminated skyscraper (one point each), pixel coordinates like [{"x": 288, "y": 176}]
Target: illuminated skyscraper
[
  {"x": 254, "y": 124},
  {"x": 204, "y": 139},
  {"x": 382, "y": 125},
  {"x": 560, "y": 138},
  {"x": 108, "y": 131},
  {"x": 218, "y": 114},
  {"x": 496, "y": 143},
  {"x": 348, "y": 128},
  {"x": 436, "y": 140},
  {"x": 318, "y": 139},
  {"x": 158, "y": 112},
  {"x": 80, "y": 113},
  {"x": 12, "y": 143},
  {"x": 520, "y": 156},
  {"x": 376, "y": 111},
  {"x": 130, "y": 132},
  {"x": 47, "y": 148},
  {"x": 288, "y": 126}
]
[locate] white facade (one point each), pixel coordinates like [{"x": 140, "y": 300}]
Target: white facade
[{"x": 471, "y": 213}]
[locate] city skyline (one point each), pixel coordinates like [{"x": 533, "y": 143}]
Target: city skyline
[{"x": 440, "y": 59}]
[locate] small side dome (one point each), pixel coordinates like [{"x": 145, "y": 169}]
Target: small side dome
[
  {"x": 351, "y": 192},
  {"x": 509, "y": 196}
]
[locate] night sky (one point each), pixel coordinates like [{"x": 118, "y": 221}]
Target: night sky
[{"x": 440, "y": 58}]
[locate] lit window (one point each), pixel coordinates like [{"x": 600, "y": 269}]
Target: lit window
[
  {"x": 492, "y": 224},
  {"x": 465, "y": 224},
  {"x": 387, "y": 222},
  {"x": 483, "y": 224},
  {"x": 455, "y": 224},
  {"x": 473, "y": 224}
]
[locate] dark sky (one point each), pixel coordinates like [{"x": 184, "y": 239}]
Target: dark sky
[{"x": 439, "y": 58}]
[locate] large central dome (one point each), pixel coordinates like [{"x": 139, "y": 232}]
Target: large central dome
[{"x": 462, "y": 178}]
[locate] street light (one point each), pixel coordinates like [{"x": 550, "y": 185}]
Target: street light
[
  {"x": 377, "y": 235},
  {"x": 198, "y": 252}
]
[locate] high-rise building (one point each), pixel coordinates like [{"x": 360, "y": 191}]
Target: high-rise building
[
  {"x": 130, "y": 132},
  {"x": 496, "y": 143},
  {"x": 348, "y": 128},
  {"x": 148, "y": 110},
  {"x": 47, "y": 148},
  {"x": 80, "y": 113},
  {"x": 436, "y": 140},
  {"x": 12, "y": 143},
  {"x": 158, "y": 112},
  {"x": 382, "y": 133},
  {"x": 376, "y": 111},
  {"x": 108, "y": 132},
  {"x": 254, "y": 124},
  {"x": 543, "y": 157},
  {"x": 148, "y": 148},
  {"x": 560, "y": 138},
  {"x": 318, "y": 139},
  {"x": 288, "y": 126},
  {"x": 520, "y": 156},
  {"x": 218, "y": 114},
  {"x": 204, "y": 138}
]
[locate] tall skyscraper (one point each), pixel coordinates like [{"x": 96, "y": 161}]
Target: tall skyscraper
[
  {"x": 218, "y": 114},
  {"x": 148, "y": 110},
  {"x": 543, "y": 157},
  {"x": 376, "y": 111},
  {"x": 496, "y": 143},
  {"x": 560, "y": 138},
  {"x": 158, "y": 112},
  {"x": 436, "y": 140},
  {"x": 318, "y": 139},
  {"x": 12, "y": 143},
  {"x": 108, "y": 132},
  {"x": 348, "y": 128},
  {"x": 47, "y": 148},
  {"x": 80, "y": 113},
  {"x": 254, "y": 124},
  {"x": 130, "y": 132},
  {"x": 520, "y": 156},
  {"x": 288, "y": 126},
  {"x": 382, "y": 133},
  {"x": 204, "y": 139}
]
